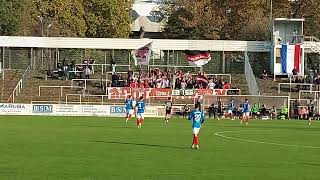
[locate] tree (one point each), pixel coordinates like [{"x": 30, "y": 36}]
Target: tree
[
  {"x": 232, "y": 19},
  {"x": 63, "y": 17},
  {"x": 193, "y": 20},
  {"x": 27, "y": 19},
  {"x": 108, "y": 18},
  {"x": 215, "y": 19},
  {"x": 8, "y": 17},
  {"x": 310, "y": 10}
]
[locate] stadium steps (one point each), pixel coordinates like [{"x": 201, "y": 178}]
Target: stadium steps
[
  {"x": 11, "y": 78},
  {"x": 240, "y": 81},
  {"x": 31, "y": 89},
  {"x": 269, "y": 87}
]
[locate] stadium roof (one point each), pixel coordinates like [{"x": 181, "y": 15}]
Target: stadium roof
[{"x": 129, "y": 44}]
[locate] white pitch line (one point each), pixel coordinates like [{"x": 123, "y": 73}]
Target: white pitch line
[{"x": 261, "y": 142}]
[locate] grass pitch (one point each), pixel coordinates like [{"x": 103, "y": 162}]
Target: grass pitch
[{"x": 83, "y": 148}]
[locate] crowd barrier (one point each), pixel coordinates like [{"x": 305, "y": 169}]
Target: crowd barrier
[{"x": 161, "y": 93}]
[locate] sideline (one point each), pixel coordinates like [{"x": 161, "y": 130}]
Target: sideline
[{"x": 220, "y": 134}]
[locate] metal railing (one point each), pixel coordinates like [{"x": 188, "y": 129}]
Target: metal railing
[
  {"x": 2, "y": 70},
  {"x": 82, "y": 96},
  {"x": 219, "y": 75},
  {"x": 295, "y": 84},
  {"x": 312, "y": 39},
  {"x": 86, "y": 80},
  {"x": 315, "y": 93},
  {"x": 250, "y": 77},
  {"x": 174, "y": 67},
  {"x": 313, "y": 43},
  {"x": 17, "y": 90},
  {"x": 45, "y": 102},
  {"x": 61, "y": 88},
  {"x": 104, "y": 67}
]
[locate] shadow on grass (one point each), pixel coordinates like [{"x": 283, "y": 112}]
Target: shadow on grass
[
  {"x": 310, "y": 164},
  {"x": 102, "y": 126},
  {"x": 141, "y": 144}
]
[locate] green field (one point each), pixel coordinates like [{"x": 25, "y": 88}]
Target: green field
[{"x": 83, "y": 148}]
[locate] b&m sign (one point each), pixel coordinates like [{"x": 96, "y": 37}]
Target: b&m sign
[
  {"x": 42, "y": 109},
  {"x": 117, "y": 110}
]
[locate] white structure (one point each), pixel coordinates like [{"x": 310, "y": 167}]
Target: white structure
[
  {"x": 287, "y": 36},
  {"x": 146, "y": 15},
  {"x": 130, "y": 44}
]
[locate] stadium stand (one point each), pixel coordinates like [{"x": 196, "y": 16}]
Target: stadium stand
[
  {"x": 11, "y": 78},
  {"x": 97, "y": 76}
]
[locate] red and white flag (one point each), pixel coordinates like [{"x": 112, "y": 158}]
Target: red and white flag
[
  {"x": 142, "y": 55},
  {"x": 198, "y": 58},
  {"x": 202, "y": 79}
]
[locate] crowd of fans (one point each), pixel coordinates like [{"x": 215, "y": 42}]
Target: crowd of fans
[{"x": 157, "y": 78}]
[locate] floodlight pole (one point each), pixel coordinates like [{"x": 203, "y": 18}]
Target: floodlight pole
[
  {"x": 271, "y": 9},
  {"x": 271, "y": 21}
]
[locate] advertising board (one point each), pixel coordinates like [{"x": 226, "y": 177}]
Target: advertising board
[{"x": 15, "y": 109}]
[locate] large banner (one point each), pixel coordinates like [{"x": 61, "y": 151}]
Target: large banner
[
  {"x": 152, "y": 93},
  {"x": 162, "y": 93},
  {"x": 80, "y": 110},
  {"x": 118, "y": 92},
  {"x": 123, "y": 92},
  {"x": 120, "y": 111},
  {"x": 73, "y": 110},
  {"x": 202, "y": 92}
]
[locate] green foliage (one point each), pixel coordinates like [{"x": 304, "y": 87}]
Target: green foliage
[
  {"x": 8, "y": 16},
  {"x": 65, "y": 16},
  {"x": 200, "y": 19},
  {"x": 68, "y": 18},
  {"x": 107, "y": 18},
  {"x": 235, "y": 19}
]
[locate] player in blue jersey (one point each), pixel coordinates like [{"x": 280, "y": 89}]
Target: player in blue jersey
[
  {"x": 231, "y": 107},
  {"x": 140, "y": 108},
  {"x": 245, "y": 112},
  {"x": 129, "y": 108},
  {"x": 197, "y": 119}
]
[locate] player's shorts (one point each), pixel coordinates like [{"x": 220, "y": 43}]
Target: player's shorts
[
  {"x": 230, "y": 112},
  {"x": 246, "y": 114},
  {"x": 195, "y": 130},
  {"x": 140, "y": 115},
  {"x": 130, "y": 111},
  {"x": 168, "y": 111}
]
